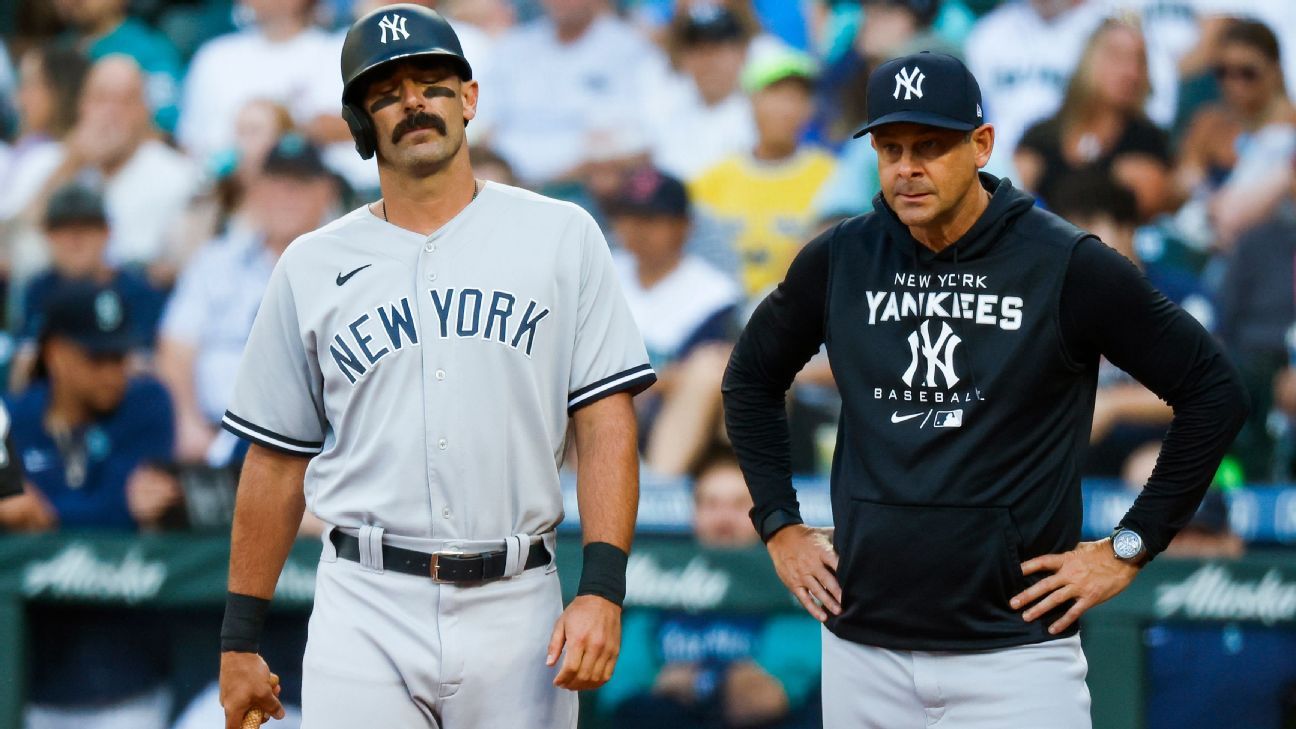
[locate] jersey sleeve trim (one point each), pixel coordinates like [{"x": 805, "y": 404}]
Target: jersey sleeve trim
[
  {"x": 635, "y": 380},
  {"x": 268, "y": 438}
]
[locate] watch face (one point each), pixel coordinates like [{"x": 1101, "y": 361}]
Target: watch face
[{"x": 1127, "y": 544}]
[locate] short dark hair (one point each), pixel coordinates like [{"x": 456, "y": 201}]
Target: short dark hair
[
  {"x": 1093, "y": 193},
  {"x": 1253, "y": 34},
  {"x": 716, "y": 455}
]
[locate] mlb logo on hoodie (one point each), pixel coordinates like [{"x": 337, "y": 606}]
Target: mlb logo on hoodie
[{"x": 948, "y": 419}]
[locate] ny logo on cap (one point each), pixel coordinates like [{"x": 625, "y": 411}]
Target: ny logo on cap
[
  {"x": 910, "y": 81},
  {"x": 396, "y": 24}
]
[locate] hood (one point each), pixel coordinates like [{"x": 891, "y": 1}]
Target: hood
[{"x": 1007, "y": 204}]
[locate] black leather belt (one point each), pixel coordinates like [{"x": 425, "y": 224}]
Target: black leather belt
[{"x": 440, "y": 566}]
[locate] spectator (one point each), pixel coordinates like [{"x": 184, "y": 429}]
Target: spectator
[
  {"x": 260, "y": 124},
  {"x": 49, "y": 84},
  {"x": 1023, "y": 52},
  {"x": 103, "y": 28},
  {"x": 775, "y": 25},
  {"x": 1208, "y": 534},
  {"x": 11, "y": 476},
  {"x": 491, "y": 167},
  {"x": 91, "y": 439},
  {"x": 1235, "y": 158},
  {"x": 685, "y": 311},
  {"x": 562, "y": 85},
  {"x": 1101, "y": 125},
  {"x": 231, "y": 70},
  {"x": 76, "y": 226},
  {"x": 885, "y": 29},
  {"x": 210, "y": 314},
  {"x": 765, "y": 194},
  {"x": 699, "y": 115},
  {"x": 1257, "y": 309},
  {"x": 146, "y": 184},
  {"x": 1127, "y": 416},
  {"x": 691, "y": 670}
]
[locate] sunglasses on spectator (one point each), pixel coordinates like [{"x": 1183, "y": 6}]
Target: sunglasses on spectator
[{"x": 1249, "y": 74}]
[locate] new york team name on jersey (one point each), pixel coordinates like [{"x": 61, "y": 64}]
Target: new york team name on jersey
[
  {"x": 465, "y": 313},
  {"x": 982, "y": 308}
]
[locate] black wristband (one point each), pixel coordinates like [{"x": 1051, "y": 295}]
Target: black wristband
[
  {"x": 604, "y": 572},
  {"x": 244, "y": 618}
]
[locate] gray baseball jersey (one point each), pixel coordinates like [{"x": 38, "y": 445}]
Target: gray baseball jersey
[{"x": 431, "y": 377}]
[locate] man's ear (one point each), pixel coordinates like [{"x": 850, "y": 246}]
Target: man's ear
[
  {"x": 469, "y": 91},
  {"x": 983, "y": 139}
]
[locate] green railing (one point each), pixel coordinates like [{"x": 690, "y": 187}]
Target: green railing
[{"x": 186, "y": 571}]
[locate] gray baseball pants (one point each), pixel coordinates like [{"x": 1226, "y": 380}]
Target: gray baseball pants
[
  {"x": 387, "y": 649},
  {"x": 1040, "y": 686}
]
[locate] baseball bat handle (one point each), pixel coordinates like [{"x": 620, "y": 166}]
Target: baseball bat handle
[{"x": 252, "y": 719}]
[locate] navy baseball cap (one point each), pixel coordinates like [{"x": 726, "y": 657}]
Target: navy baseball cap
[
  {"x": 91, "y": 315},
  {"x": 293, "y": 156},
  {"x": 934, "y": 89},
  {"x": 648, "y": 191},
  {"x": 75, "y": 204}
]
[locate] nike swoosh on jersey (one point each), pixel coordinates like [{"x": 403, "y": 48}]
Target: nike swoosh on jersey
[
  {"x": 343, "y": 279},
  {"x": 896, "y": 417}
]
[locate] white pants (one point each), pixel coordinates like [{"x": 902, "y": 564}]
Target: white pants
[
  {"x": 395, "y": 650},
  {"x": 150, "y": 710},
  {"x": 1039, "y": 686}
]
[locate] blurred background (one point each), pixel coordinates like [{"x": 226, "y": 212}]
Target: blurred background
[{"x": 159, "y": 155}]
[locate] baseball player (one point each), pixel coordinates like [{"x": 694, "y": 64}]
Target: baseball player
[
  {"x": 965, "y": 327},
  {"x": 410, "y": 378}
]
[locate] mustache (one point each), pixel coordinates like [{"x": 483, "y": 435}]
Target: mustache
[{"x": 416, "y": 121}]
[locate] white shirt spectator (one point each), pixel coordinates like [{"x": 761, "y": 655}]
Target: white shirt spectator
[
  {"x": 301, "y": 73},
  {"x": 542, "y": 101},
  {"x": 687, "y": 137},
  {"x": 670, "y": 313},
  {"x": 212, "y": 309},
  {"x": 1023, "y": 63},
  {"x": 144, "y": 199}
]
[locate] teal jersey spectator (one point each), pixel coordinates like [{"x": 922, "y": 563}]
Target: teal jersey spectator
[
  {"x": 156, "y": 56},
  {"x": 786, "y": 646}
]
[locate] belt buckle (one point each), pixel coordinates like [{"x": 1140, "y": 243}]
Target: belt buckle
[{"x": 434, "y": 564}]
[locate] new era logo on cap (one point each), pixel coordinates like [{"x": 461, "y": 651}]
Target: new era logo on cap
[{"x": 923, "y": 88}]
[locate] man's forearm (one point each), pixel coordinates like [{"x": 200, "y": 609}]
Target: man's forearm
[
  {"x": 267, "y": 512},
  {"x": 607, "y": 471}
]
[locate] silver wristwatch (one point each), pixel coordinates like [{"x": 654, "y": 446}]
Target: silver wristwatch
[{"x": 1128, "y": 546}]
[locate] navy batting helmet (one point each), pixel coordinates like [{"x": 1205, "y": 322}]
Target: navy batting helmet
[{"x": 388, "y": 34}]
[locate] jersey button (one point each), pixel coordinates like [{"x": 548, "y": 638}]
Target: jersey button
[
  {"x": 440, "y": 374},
  {"x": 442, "y": 444},
  {"x": 446, "y": 512},
  {"x": 431, "y": 276},
  {"x": 430, "y": 247}
]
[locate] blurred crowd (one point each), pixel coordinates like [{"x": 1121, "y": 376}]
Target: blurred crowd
[{"x": 159, "y": 155}]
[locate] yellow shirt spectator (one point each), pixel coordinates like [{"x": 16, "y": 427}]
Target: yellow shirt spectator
[{"x": 767, "y": 207}]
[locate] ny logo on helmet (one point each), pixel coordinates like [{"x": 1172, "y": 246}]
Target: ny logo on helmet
[
  {"x": 910, "y": 81},
  {"x": 396, "y": 24},
  {"x": 939, "y": 355}
]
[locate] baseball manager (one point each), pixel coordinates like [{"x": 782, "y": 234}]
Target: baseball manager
[
  {"x": 410, "y": 379},
  {"x": 964, "y": 326}
]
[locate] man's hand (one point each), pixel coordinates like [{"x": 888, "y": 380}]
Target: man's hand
[
  {"x": 677, "y": 681},
  {"x": 752, "y": 697},
  {"x": 246, "y": 683},
  {"x": 27, "y": 512},
  {"x": 806, "y": 562},
  {"x": 1090, "y": 575},
  {"x": 150, "y": 492},
  {"x": 590, "y": 631},
  {"x": 193, "y": 437}
]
